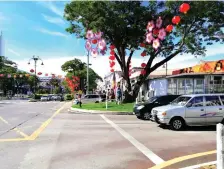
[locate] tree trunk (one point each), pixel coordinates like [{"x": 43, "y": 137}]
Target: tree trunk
[{"x": 131, "y": 95}]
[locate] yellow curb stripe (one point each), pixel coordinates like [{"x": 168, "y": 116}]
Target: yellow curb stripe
[
  {"x": 36, "y": 133},
  {"x": 183, "y": 158}
]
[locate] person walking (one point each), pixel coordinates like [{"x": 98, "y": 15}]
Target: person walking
[{"x": 119, "y": 95}]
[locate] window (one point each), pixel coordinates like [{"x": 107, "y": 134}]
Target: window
[
  {"x": 182, "y": 100},
  {"x": 196, "y": 102},
  {"x": 212, "y": 101},
  {"x": 222, "y": 98}
]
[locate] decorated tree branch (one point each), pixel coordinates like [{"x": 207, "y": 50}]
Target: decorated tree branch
[{"x": 159, "y": 29}]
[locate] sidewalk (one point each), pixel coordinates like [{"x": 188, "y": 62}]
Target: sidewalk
[{"x": 76, "y": 110}]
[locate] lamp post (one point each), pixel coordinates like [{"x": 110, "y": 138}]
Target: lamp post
[
  {"x": 35, "y": 59},
  {"x": 87, "y": 74}
]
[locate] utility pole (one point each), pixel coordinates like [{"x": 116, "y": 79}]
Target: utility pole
[
  {"x": 87, "y": 78},
  {"x": 35, "y": 58},
  {"x": 166, "y": 69}
]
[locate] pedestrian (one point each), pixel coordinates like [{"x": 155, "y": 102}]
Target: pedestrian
[
  {"x": 80, "y": 100},
  {"x": 119, "y": 95}
]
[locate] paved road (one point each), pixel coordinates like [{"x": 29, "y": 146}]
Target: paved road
[{"x": 61, "y": 139}]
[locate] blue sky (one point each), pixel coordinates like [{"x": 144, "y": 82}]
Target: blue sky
[{"x": 38, "y": 28}]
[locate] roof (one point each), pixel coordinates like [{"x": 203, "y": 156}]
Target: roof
[{"x": 211, "y": 94}]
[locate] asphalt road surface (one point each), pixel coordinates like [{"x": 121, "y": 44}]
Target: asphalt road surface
[{"x": 48, "y": 136}]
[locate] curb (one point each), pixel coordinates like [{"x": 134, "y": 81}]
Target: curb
[{"x": 76, "y": 110}]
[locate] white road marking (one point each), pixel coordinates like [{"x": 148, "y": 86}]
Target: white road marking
[
  {"x": 148, "y": 153},
  {"x": 200, "y": 165}
]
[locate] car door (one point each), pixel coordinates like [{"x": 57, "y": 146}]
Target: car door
[
  {"x": 195, "y": 110},
  {"x": 214, "y": 109}
]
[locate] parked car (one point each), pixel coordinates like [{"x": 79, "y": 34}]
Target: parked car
[
  {"x": 95, "y": 98},
  {"x": 44, "y": 98},
  {"x": 56, "y": 97},
  {"x": 191, "y": 110},
  {"x": 143, "y": 110}
]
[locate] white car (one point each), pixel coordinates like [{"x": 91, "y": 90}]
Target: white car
[
  {"x": 191, "y": 110},
  {"x": 44, "y": 98}
]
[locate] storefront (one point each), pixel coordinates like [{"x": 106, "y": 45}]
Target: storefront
[{"x": 207, "y": 77}]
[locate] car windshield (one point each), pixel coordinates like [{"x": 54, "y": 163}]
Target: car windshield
[
  {"x": 152, "y": 99},
  {"x": 182, "y": 100}
]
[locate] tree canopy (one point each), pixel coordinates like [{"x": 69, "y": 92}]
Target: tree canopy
[
  {"x": 124, "y": 25},
  {"x": 78, "y": 68}
]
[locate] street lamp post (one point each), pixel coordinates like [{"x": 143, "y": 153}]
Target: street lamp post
[
  {"x": 165, "y": 66},
  {"x": 87, "y": 78},
  {"x": 35, "y": 58}
]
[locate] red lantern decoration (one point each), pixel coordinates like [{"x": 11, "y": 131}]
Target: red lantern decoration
[
  {"x": 112, "y": 52},
  {"x": 184, "y": 8},
  {"x": 39, "y": 73},
  {"x": 143, "y": 54},
  {"x": 169, "y": 28},
  {"x": 31, "y": 70},
  {"x": 143, "y": 72},
  {"x": 94, "y": 41},
  {"x": 143, "y": 65},
  {"x": 46, "y": 74},
  {"x": 112, "y": 57},
  {"x": 142, "y": 45},
  {"x": 112, "y": 64},
  {"x": 176, "y": 20},
  {"x": 112, "y": 47},
  {"x": 156, "y": 32},
  {"x": 111, "y": 70}
]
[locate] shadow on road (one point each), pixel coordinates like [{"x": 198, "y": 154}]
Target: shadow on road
[{"x": 192, "y": 128}]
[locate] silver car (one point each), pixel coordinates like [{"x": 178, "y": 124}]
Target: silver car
[
  {"x": 44, "y": 98},
  {"x": 94, "y": 98}
]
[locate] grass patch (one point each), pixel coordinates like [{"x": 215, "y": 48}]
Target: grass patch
[{"x": 127, "y": 107}]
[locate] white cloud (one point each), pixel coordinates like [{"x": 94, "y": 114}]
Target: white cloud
[
  {"x": 13, "y": 52},
  {"x": 53, "y": 8},
  {"x": 53, "y": 33},
  {"x": 54, "y": 20}
]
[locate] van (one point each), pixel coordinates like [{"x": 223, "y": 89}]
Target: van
[{"x": 191, "y": 110}]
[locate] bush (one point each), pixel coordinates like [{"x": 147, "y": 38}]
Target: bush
[{"x": 69, "y": 97}]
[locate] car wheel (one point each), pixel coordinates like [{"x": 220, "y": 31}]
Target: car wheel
[
  {"x": 146, "y": 116},
  {"x": 177, "y": 123}
]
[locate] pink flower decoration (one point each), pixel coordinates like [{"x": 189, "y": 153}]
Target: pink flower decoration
[
  {"x": 98, "y": 35},
  {"x": 149, "y": 37},
  {"x": 162, "y": 34},
  {"x": 150, "y": 26},
  {"x": 89, "y": 34},
  {"x": 94, "y": 52},
  {"x": 101, "y": 44},
  {"x": 159, "y": 22},
  {"x": 88, "y": 45},
  {"x": 156, "y": 44}
]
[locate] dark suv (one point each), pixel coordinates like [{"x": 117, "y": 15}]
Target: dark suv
[{"x": 143, "y": 110}]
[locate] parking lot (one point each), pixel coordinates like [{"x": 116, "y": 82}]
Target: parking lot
[{"x": 71, "y": 140}]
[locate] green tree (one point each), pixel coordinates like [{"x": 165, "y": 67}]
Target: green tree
[
  {"x": 55, "y": 82},
  {"x": 123, "y": 25},
  {"x": 78, "y": 68}
]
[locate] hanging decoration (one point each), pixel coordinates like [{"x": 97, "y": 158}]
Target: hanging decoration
[
  {"x": 184, "y": 8},
  {"x": 176, "y": 20},
  {"x": 169, "y": 28},
  {"x": 31, "y": 70},
  {"x": 46, "y": 74},
  {"x": 39, "y": 73},
  {"x": 112, "y": 58},
  {"x": 95, "y": 43}
]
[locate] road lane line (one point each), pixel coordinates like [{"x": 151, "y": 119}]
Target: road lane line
[
  {"x": 36, "y": 133},
  {"x": 148, "y": 153},
  {"x": 183, "y": 158},
  {"x": 15, "y": 129},
  {"x": 200, "y": 165}
]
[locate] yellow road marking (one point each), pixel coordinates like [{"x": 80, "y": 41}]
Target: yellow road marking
[
  {"x": 14, "y": 139},
  {"x": 21, "y": 133},
  {"x": 36, "y": 133},
  {"x": 15, "y": 129},
  {"x": 3, "y": 120},
  {"x": 183, "y": 158}
]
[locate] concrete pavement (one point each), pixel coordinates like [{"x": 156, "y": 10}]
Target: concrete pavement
[{"x": 87, "y": 141}]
